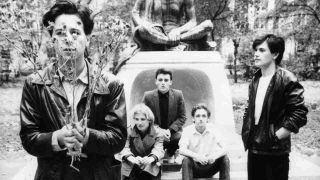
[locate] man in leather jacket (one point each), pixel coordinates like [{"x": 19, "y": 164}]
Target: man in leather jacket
[
  {"x": 275, "y": 109},
  {"x": 48, "y": 95}
]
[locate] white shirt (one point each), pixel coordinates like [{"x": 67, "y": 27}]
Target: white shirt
[
  {"x": 204, "y": 144},
  {"x": 74, "y": 92},
  {"x": 261, "y": 93}
]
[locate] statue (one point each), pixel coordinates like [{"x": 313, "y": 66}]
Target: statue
[{"x": 159, "y": 25}]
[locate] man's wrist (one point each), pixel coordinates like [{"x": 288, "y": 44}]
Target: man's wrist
[
  {"x": 154, "y": 157},
  {"x": 126, "y": 158},
  {"x": 56, "y": 145}
]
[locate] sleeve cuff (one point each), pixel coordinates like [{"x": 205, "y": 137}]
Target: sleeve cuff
[
  {"x": 54, "y": 142},
  {"x": 125, "y": 158},
  {"x": 155, "y": 157}
]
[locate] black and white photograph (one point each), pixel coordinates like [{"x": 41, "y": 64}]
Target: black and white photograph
[{"x": 160, "y": 89}]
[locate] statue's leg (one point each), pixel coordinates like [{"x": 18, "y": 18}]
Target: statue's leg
[
  {"x": 153, "y": 34},
  {"x": 198, "y": 32}
]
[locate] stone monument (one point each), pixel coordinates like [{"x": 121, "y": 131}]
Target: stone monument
[
  {"x": 200, "y": 75},
  {"x": 168, "y": 25}
]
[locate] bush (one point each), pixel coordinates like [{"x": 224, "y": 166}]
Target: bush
[{"x": 302, "y": 67}]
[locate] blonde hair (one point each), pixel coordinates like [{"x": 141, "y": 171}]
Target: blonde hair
[{"x": 143, "y": 109}]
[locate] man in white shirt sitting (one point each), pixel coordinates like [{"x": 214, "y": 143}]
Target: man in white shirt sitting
[{"x": 204, "y": 153}]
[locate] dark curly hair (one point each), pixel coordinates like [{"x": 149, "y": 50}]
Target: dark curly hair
[
  {"x": 68, "y": 7},
  {"x": 200, "y": 106},
  {"x": 163, "y": 71}
]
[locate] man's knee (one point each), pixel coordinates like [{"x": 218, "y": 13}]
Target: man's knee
[
  {"x": 186, "y": 161},
  {"x": 143, "y": 31},
  {"x": 207, "y": 25},
  {"x": 225, "y": 161}
]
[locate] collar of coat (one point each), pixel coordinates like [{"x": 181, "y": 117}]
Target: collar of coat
[
  {"x": 143, "y": 146},
  {"x": 134, "y": 132},
  {"x": 49, "y": 76},
  {"x": 279, "y": 71}
]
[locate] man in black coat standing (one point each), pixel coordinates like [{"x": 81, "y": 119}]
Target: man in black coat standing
[
  {"x": 275, "y": 109},
  {"x": 46, "y": 128}
]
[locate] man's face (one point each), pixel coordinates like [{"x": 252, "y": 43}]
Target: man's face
[
  {"x": 141, "y": 122},
  {"x": 200, "y": 118},
  {"x": 71, "y": 40},
  {"x": 262, "y": 56},
  {"x": 163, "y": 82}
]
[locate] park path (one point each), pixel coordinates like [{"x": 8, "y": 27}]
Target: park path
[{"x": 300, "y": 167}]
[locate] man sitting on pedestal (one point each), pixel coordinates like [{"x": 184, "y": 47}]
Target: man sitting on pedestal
[
  {"x": 204, "y": 153},
  {"x": 159, "y": 26}
]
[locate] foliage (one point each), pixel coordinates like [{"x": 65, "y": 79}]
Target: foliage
[
  {"x": 20, "y": 24},
  {"x": 245, "y": 57},
  {"x": 304, "y": 25},
  {"x": 111, "y": 34},
  {"x": 298, "y": 8},
  {"x": 239, "y": 30},
  {"x": 302, "y": 67},
  {"x": 217, "y": 11},
  {"x": 117, "y": 11},
  {"x": 230, "y": 19},
  {"x": 119, "y": 8},
  {"x": 104, "y": 44}
]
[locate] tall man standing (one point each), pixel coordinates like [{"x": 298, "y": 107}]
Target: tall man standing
[
  {"x": 47, "y": 96},
  {"x": 275, "y": 109},
  {"x": 168, "y": 107}
]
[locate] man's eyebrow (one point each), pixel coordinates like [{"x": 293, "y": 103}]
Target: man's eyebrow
[
  {"x": 74, "y": 28},
  {"x": 57, "y": 29}
]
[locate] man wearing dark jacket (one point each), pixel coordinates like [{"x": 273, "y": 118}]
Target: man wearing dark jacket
[
  {"x": 169, "y": 109},
  {"x": 47, "y": 96},
  {"x": 275, "y": 109}
]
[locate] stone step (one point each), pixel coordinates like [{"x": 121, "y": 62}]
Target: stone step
[
  {"x": 177, "y": 176},
  {"x": 300, "y": 169},
  {"x": 235, "y": 165}
]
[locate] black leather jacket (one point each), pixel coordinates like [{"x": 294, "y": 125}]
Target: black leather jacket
[
  {"x": 42, "y": 114},
  {"x": 283, "y": 106}
]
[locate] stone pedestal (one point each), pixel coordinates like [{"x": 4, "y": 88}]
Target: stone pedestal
[{"x": 199, "y": 74}]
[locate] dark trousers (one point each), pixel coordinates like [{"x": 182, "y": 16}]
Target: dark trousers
[
  {"x": 191, "y": 169},
  {"x": 172, "y": 145},
  {"x": 139, "y": 174},
  {"x": 268, "y": 167}
]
